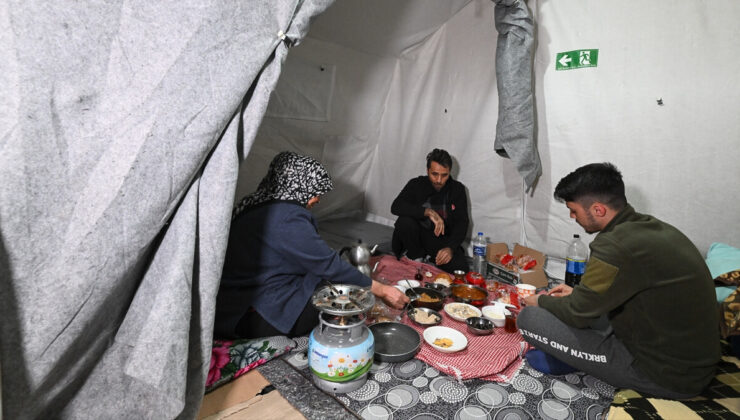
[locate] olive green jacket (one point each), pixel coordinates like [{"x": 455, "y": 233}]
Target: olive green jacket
[{"x": 656, "y": 290}]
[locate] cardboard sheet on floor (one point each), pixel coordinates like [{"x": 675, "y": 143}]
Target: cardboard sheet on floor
[{"x": 239, "y": 400}]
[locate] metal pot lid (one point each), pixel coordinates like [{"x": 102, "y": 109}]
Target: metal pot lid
[{"x": 343, "y": 299}]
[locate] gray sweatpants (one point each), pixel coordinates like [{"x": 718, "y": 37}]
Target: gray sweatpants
[{"x": 596, "y": 351}]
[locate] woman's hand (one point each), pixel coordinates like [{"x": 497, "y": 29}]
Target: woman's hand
[
  {"x": 390, "y": 295},
  {"x": 560, "y": 290}
]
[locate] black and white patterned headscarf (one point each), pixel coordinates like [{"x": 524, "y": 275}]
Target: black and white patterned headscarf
[{"x": 291, "y": 177}]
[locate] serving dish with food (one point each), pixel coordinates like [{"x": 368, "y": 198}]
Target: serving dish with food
[
  {"x": 461, "y": 311},
  {"x": 444, "y": 339},
  {"x": 468, "y": 293},
  {"x": 425, "y": 298},
  {"x": 496, "y": 313},
  {"x": 424, "y": 317}
]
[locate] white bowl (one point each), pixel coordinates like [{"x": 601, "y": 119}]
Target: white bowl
[
  {"x": 400, "y": 287},
  {"x": 408, "y": 283},
  {"x": 459, "y": 341},
  {"x": 496, "y": 313},
  {"x": 453, "y": 310}
]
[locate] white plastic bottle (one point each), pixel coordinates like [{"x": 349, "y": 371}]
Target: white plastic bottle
[
  {"x": 576, "y": 258},
  {"x": 479, "y": 254}
]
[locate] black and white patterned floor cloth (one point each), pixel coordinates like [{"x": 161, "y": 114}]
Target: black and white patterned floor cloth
[{"x": 414, "y": 390}]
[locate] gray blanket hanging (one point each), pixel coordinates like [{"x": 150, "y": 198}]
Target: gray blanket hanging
[
  {"x": 121, "y": 129},
  {"x": 516, "y": 123}
]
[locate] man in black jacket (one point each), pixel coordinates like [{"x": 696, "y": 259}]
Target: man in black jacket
[{"x": 432, "y": 215}]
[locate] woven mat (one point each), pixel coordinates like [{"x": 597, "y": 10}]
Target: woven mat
[{"x": 721, "y": 399}]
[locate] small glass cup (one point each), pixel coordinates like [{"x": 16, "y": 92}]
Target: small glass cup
[{"x": 510, "y": 323}]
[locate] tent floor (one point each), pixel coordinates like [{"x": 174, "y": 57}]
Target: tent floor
[{"x": 339, "y": 233}]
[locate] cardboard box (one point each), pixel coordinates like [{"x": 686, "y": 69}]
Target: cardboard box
[{"x": 536, "y": 276}]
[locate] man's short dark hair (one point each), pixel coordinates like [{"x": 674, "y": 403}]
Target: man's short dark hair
[
  {"x": 600, "y": 182},
  {"x": 440, "y": 156}
]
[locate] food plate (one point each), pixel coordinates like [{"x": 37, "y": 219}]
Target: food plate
[
  {"x": 455, "y": 337},
  {"x": 407, "y": 284},
  {"x": 461, "y": 311}
]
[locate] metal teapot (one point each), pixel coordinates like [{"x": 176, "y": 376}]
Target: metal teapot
[{"x": 358, "y": 254}]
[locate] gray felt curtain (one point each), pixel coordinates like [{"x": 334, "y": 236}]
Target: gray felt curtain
[
  {"x": 514, "y": 53},
  {"x": 122, "y": 125}
]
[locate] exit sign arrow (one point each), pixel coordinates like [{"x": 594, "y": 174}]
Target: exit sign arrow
[{"x": 564, "y": 61}]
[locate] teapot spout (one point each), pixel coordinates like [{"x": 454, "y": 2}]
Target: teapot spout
[{"x": 372, "y": 250}]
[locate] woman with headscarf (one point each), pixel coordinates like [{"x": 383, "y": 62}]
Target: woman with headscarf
[{"x": 276, "y": 259}]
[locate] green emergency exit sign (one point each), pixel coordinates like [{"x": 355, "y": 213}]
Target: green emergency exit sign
[{"x": 577, "y": 59}]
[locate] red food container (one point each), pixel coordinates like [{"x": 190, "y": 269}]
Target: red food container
[
  {"x": 475, "y": 279},
  {"x": 459, "y": 277},
  {"x": 514, "y": 299}
]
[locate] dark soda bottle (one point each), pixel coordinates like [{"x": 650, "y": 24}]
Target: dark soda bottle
[{"x": 575, "y": 261}]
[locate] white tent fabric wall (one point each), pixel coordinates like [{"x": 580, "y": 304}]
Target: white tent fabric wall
[
  {"x": 346, "y": 144},
  {"x": 121, "y": 130},
  {"x": 678, "y": 159}
]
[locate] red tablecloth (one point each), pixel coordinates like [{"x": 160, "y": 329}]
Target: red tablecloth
[{"x": 495, "y": 357}]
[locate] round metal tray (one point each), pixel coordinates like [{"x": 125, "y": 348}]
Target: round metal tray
[{"x": 395, "y": 342}]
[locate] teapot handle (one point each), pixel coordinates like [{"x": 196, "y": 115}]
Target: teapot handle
[
  {"x": 372, "y": 251},
  {"x": 343, "y": 250}
]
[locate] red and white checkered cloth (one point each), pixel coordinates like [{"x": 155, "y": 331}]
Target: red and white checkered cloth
[
  {"x": 390, "y": 270},
  {"x": 495, "y": 357}
]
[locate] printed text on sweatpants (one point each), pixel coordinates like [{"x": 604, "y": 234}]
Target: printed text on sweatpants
[{"x": 599, "y": 358}]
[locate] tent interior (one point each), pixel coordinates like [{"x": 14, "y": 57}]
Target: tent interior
[
  {"x": 128, "y": 132},
  {"x": 374, "y": 87}
]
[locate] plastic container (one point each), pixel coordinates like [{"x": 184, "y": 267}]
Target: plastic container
[
  {"x": 479, "y": 254},
  {"x": 575, "y": 261}
]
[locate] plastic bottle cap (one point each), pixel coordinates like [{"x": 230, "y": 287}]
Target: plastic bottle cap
[{"x": 480, "y": 233}]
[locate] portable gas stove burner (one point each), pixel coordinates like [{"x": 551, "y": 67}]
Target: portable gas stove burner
[
  {"x": 341, "y": 347},
  {"x": 345, "y": 299}
]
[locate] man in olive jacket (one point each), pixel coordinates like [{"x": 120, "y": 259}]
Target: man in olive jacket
[{"x": 645, "y": 314}]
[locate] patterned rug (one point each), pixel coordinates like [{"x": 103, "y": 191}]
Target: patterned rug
[{"x": 415, "y": 390}]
